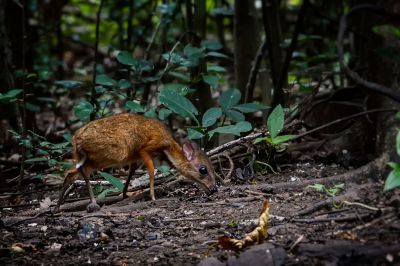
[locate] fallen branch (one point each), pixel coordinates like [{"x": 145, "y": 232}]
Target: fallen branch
[{"x": 373, "y": 169}]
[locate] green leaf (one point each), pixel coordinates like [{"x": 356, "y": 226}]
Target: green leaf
[
  {"x": 393, "y": 180},
  {"x": 134, "y": 107},
  {"x": 281, "y": 139},
  {"x": 211, "y": 44},
  {"x": 164, "y": 168},
  {"x": 32, "y": 107},
  {"x": 36, "y": 159},
  {"x": 211, "y": 80},
  {"x": 194, "y": 133},
  {"x": 182, "y": 76},
  {"x": 193, "y": 52},
  {"x": 214, "y": 68},
  {"x": 178, "y": 104},
  {"x": 105, "y": 192},
  {"x": 83, "y": 110},
  {"x": 258, "y": 140},
  {"x": 211, "y": 116},
  {"x": 124, "y": 84},
  {"x": 398, "y": 143},
  {"x": 217, "y": 54},
  {"x": 113, "y": 180},
  {"x": 317, "y": 187},
  {"x": 126, "y": 58},
  {"x": 275, "y": 121},
  {"x": 179, "y": 88},
  {"x": 163, "y": 113},
  {"x": 105, "y": 80},
  {"x": 69, "y": 84},
  {"x": 250, "y": 107},
  {"x": 393, "y": 165},
  {"x": 151, "y": 113},
  {"x": 236, "y": 129},
  {"x": 235, "y": 115},
  {"x": 229, "y": 98},
  {"x": 10, "y": 95}
]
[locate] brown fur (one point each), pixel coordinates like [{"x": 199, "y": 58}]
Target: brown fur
[{"x": 124, "y": 139}]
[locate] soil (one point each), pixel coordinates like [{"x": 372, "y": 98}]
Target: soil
[{"x": 182, "y": 226}]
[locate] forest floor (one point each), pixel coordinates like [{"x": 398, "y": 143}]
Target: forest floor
[{"x": 358, "y": 225}]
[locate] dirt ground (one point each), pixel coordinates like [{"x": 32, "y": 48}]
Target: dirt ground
[{"x": 359, "y": 226}]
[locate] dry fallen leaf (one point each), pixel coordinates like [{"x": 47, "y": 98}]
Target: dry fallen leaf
[{"x": 256, "y": 236}]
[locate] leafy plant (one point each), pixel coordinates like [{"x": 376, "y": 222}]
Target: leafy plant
[
  {"x": 41, "y": 151},
  {"x": 393, "y": 179},
  {"x": 230, "y": 109},
  {"x": 275, "y": 124}
]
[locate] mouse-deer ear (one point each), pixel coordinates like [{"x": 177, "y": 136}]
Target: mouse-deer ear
[{"x": 189, "y": 149}]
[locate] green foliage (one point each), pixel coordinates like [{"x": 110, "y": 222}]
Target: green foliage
[
  {"x": 393, "y": 179},
  {"x": 10, "y": 96},
  {"x": 275, "y": 124},
  {"x": 41, "y": 151},
  {"x": 331, "y": 191},
  {"x": 83, "y": 110},
  {"x": 233, "y": 224},
  {"x": 113, "y": 180}
]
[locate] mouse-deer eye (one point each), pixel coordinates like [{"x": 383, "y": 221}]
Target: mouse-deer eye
[{"x": 203, "y": 170}]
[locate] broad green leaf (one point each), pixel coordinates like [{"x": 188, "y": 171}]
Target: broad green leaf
[
  {"x": 69, "y": 84},
  {"x": 398, "y": 143},
  {"x": 250, "y": 107},
  {"x": 113, "y": 180},
  {"x": 275, "y": 121},
  {"x": 83, "y": 110},
  {"x": 229, "y": 98},
  {"x": 105, "y": 80},
  {"x": 32, "y": 107},
  {"x": 235, "y": 115},
  {"x": 393, "y": 165},
  {"x": 211, "y": 116},
  {"x": 214, "y": 68},
  {"x": 393, "y": 180},
  {"x": 182, "y": 76},
  {"x": 151, "y": 113},
  {"x": 105, "y": 192},
  {"x": 173, "y": 58},
  {"x": 211, "y": 44},
  {"x": 194, "y": 134},
  {"x": 124, "y": 84},
  {"x": 258, "y": 140},
  {"x": 179, "y": 88},
  {"x": 164, "y": 168},
  {"x": 37, "y": 159},
  {"x": 211, "y": 80},
  {"x": 217, "y": 54},
  {"x": 387, "y": 31},
  {"x": 178, "y": 104},
  {"x": 193, "y": 52},
  {"x": 282, "y": 139},
  {"x": 10, "y": 95},
  {"x": 163, "y": 113},
  {"x": 126, "y": 58},
  {"x": 236, "y": 129},
  {"x": 134, "y": 107}
]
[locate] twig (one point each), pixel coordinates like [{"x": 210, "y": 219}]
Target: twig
[
  {"x": 230, "y": 201},
  {"x": 361, "y": 205},
  {"x": 23, "y": 116},
  {"x": 344, "y": 119},
  {"x": 233, "y": 143},
  {"x": 299, "y": 239},
  {"x": 387, "y": 218},
  {"x": 254, "y": 71},
  {"x": 394, "y": 94},
  {"x": 347, "y": 218},
  {"x": 96, "y": 51}
]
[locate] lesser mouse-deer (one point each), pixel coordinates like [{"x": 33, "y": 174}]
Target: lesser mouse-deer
[{"x": 126, "y": 139}]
